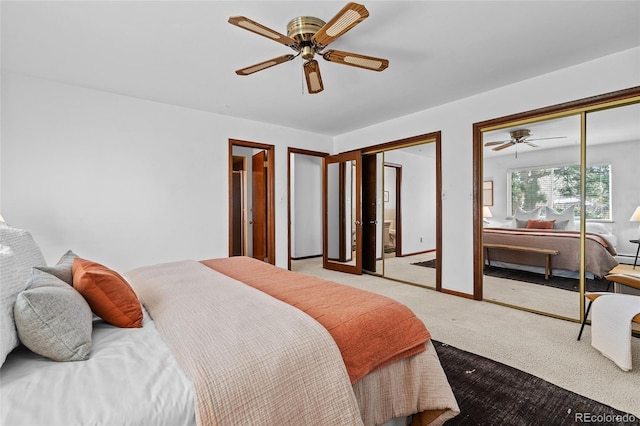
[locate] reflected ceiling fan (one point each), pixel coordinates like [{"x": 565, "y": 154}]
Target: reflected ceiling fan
[
  {"x": 519, "y": 136},
  {"x": 307, "y": 36}
]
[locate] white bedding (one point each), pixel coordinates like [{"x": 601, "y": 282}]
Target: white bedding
[{"x": 144, "y": 385}]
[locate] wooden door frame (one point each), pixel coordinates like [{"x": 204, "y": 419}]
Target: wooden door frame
[
  {"x": 271, "y": 218},
  {"x": 291, "y": 150}
]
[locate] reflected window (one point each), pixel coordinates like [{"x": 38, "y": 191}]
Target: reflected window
[{"x": 559, "y": 188}]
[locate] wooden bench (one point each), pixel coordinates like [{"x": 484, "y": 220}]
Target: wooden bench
[{"x": 547, "y": 252}]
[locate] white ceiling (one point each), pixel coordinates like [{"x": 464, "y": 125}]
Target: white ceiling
[{"x": 185, "y": 53}]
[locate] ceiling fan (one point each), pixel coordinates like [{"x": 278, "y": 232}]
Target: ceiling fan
[
  {"x": 518, "y": 136},
  {"x": 309, "y": 36}
]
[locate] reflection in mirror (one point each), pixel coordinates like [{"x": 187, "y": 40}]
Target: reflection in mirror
[
  {"x": 341, "y": 228},
  {"x": 531, "y": 232},
  {"x": 408, "y": 213},
  {"x": 612, "y": 196}
]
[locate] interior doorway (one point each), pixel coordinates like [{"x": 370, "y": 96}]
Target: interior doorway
[
  {"x": 304, "y": 195},
  {"x": 251, "y": 200}
]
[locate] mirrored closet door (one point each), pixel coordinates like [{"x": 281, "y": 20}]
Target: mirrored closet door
[
  {"x": 531, "y": 217},
  {"x": 556, "y": 219},
  {"x": 382, "y": 211}
]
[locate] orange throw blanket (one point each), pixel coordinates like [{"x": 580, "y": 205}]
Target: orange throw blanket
[{"x": 371, "y": 330}]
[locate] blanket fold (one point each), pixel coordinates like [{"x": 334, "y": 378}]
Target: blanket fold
[
  {"x": 611, "y": 316},
  {"x": 371, "y": 330},
  {"x": 286, "y": 371}
]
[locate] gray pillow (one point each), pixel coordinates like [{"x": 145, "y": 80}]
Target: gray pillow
[
  {"x": 53, "y": 319},
  {"x": 521, "y": 223},
  {"x": 62, "y": 269},
  {"x": 561, "y": 224}
]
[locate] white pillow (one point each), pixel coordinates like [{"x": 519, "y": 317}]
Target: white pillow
[
  {"x": 526, "y": 215},
  {"x": 23, "y": 254},
  {"x": 596, "y": 228},
  {"x": 521, "y": 217},
  {"x": 566, "y": 214},
  {"x": 10, "y": 286}
]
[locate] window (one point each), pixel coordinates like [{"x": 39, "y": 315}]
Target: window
[{"x": 559, "y": 187}]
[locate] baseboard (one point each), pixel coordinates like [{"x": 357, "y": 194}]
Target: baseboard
[
  {"x": 417, "y": 252},
  {"x": 306, "y": 257}
]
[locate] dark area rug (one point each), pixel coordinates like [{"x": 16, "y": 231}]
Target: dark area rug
[
  {"x": 570, "y": 284},
  {"x": 492, "y": 393}
]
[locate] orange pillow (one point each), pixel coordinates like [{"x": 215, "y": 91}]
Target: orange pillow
[
  {"x": 108, "y": 294},
  {"x": 540, "y": 224}
]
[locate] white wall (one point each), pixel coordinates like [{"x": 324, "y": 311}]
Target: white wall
[
  {"x": 306, "y": 209},
  {"x": 418, "y": 202},
  {"x": 455, "y": 120},
  {"x": 123, "y": 181}
]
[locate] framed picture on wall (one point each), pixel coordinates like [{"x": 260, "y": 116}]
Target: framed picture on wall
[{"x": 487, "y": 193}]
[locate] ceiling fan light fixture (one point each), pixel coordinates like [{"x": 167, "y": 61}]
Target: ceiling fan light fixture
[
  {"x": 307, "y": 52},
  {"x": 309, "y": 36},
  {"x": 302, "y": 28},
  {"x": 520, "y": 134}
]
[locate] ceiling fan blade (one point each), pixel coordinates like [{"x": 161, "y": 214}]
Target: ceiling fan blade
[
  {"x": 254, "y": 27},
  {"x": 541, "y": 139},
  {"x": 496, "y": 142},
  {"x": 531, "y": 144},
  {"x": 356, "y": 60},
  {"x": 350, "y": 16},
  {"x": 264, "y": 65},
  {"x": 312, "y": 74},
  {"x": 503, "y": 146}
]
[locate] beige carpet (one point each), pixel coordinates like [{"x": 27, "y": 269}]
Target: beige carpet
[{"x": 543, "y": 346}]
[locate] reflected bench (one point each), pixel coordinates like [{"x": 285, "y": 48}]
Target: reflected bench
[{"x": 546, "y": 252}]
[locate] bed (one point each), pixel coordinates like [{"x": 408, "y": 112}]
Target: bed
[
  {"x": 219, "y": 341},
  {"x": 600, "y": 251}
]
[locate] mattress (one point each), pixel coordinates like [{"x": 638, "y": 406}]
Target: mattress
[{"x": 131, "y": 379}]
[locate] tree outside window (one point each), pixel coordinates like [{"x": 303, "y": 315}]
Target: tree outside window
[{"x": 559, "y": 188}]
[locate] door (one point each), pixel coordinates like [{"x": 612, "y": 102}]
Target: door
[
  {"x": 342, "y": 227},
  {"x": 259, "y": 205},
  {"x": 238, "y": 223},
  {"x": 369, "y": 212}
]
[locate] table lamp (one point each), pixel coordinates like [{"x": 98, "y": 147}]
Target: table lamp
[
  {"x": 487, "y": 213},
  {"x": 635, "y": 217}
]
